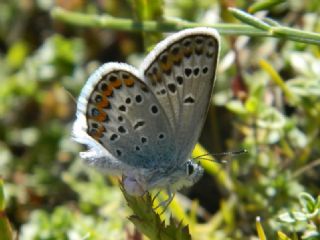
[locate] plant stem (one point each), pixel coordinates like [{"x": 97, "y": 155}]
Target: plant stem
[
  {"x": 109, "y": 22},
  {"x": 277, "y": 31},
  {"x": 254, "y": 27}
]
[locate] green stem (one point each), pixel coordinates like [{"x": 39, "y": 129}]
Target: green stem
[
  {"x": 250, "y": 19},
  {"x": 277, "y": 31},
  {"x": 253, "y": 27},
  {"x": 109, "y": 22},
  {"x": 5, "y": 227}
]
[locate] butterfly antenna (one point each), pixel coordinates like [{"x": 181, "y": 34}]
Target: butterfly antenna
[
  {"x": 221, "y": 161},
  {"x": 232, "y": 153}
]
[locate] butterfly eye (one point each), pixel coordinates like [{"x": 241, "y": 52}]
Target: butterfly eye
[{"x": 190, "y": 169}]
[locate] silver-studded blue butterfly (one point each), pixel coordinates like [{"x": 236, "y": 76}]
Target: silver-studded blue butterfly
[{"x": 144, "y": 123}]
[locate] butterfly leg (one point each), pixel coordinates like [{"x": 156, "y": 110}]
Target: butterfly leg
[
  {"x": 167, "y": 202},
  {"x": 170, "y": 198},
  {"x": 154, "y": 197}
]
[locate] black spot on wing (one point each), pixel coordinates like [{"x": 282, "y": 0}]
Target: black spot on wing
[
  {"x": 187, "y": 71},
  {"x": 138, "y": 125},
  {"x": 172, "y": 87},
  {"x": 189, "y": 100}
]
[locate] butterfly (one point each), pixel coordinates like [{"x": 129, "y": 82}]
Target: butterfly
[{"x": 143, "y": 124}]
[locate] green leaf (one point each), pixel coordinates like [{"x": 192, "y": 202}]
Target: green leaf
[
  {"x": 147, "y": 10},
  {"x": 264, "y": 5},
  {"x": 308, "y": 202},
  {"x": 277, "y": 79},
  {"x": 304, "y": 87},
  {"x": 252, "y": 104},
  {"x": 148, "y": 222},
  {"x": 236, "y": 106},
  {"x": 283, "y": 236},
  {"x": 271, "y": 118},
  {"x": 292, "y": 217},
  {"x": 249, "y": 19},
  {"x": 17, "y": 54},
  {"x": 311, "y": 235},
  {"x": 261, "y": 234},
  {"x": 317, "y": 205}
]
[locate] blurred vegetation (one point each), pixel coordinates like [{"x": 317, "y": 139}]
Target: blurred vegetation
[{"x": 266, "y": 100}]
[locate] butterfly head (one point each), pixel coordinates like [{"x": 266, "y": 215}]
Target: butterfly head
[
  {"x": 183, "y": 175},
  {"x": 187, "y": 174}
]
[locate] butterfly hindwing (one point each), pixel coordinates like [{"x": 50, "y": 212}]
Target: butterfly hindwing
[{"x": 123, "y": 115}]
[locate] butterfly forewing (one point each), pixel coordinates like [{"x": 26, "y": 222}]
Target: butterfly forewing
[
  {"x": 181, "y": 73},
  {"x": 125, "y": 117}
]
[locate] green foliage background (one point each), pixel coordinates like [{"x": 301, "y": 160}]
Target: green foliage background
[{"x": 266, "y": 100}]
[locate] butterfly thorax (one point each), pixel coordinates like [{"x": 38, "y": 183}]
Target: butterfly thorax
[{"x": 173, "y": 178}]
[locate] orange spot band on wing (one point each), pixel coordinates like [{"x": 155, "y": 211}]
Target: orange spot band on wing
[
  {"x": 157, "y": 77},
  {"x": 129, "y": 82},
  {"x": 102, "y": 129},
  {"x": 165, "y": 67},
  {"x": 108, "y": 92},
  {"x": 116, "y": 84},
  {"x": 152, "y": 79},
  {"x": 97, "y": 133},
  {"x": 188, "y": 52},
  {"x": 103, "y": 104},
  {"x": 101, "y": 117},
  {"x": 177, "y": 58}
]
